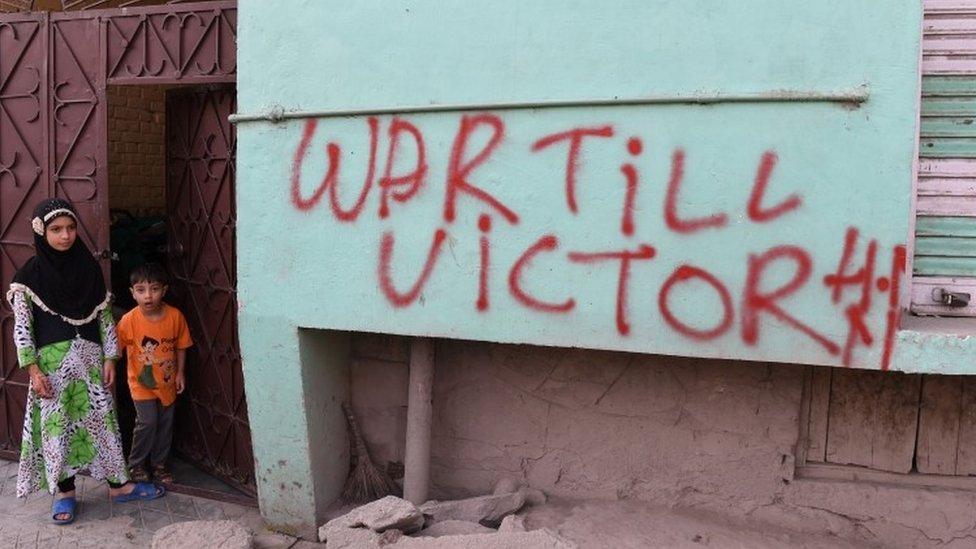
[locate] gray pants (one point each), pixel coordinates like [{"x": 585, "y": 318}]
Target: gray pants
[{"x": 153, "y": 433}]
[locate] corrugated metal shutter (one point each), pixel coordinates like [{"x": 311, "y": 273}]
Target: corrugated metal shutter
[{"x": 945, "y": 229}]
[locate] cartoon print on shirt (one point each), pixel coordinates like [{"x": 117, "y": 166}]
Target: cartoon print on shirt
[
  {"x": 146, "y": 356},
  {"x": 169, "y": 368}
]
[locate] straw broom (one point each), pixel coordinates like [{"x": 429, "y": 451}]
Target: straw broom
[{"x": 366, "y": 482}]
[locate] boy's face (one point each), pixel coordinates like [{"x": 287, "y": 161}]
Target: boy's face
[{"x": 149, "y": 295}]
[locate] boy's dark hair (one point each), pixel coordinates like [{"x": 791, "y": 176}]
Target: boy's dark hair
[
  {"x": 148, "y": 272},
  {"x": 147, "y": 339}
]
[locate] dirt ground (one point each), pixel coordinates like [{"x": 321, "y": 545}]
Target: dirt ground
[{"x": 637, "y": 525}]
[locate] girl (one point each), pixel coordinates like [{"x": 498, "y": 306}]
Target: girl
[{"x": 65, "y": 337}]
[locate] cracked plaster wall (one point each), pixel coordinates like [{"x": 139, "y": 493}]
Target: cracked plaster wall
[
  {"x": 586, "y": 423},
  {"x": 710, "y": 434},
  {"x": 610, "y": 425}
]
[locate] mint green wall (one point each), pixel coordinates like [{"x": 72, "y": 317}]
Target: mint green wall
[
  {"x": 852, "y": 167},
  {"x": 850, "y": 164}
]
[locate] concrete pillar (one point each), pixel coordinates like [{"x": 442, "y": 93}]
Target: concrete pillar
[
  {"x": 416, "y": 480},
  {"x": 295, "y": 381}
]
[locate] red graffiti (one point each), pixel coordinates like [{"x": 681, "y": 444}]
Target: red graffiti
[
  {"x": 625, "y": 257},
  {"x": 755, "y": 209},
  {"x": 893, "y": 317},
  {"x": 395, "y": 297},
  {"x": 459, "y": 169},
  {"x": 634, "y": 147},
  {"x": 331, "y": 180},
  {"x": 484, "y": 225},
  {"x": 301, "y": 152},
  {"x": 402, "y": 187},
  {"x": 671, "y": 218},
  {"x": 627, "y": 220},
  {"x": 755, "y": 301},
  {"x": 575, "y": 138},
  {"x": 686, "y": 273},
  {"x": 862, "y": 279},
  {"x": 547, "y": 243},
  {"x": 772, "y": 279}
]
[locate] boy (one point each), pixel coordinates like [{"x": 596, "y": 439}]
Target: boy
[{"x": 155, "y": 337}]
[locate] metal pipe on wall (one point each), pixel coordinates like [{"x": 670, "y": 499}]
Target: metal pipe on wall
[
  {"x": 854, "y": 96},
  {"x": 416, "y": 478}
]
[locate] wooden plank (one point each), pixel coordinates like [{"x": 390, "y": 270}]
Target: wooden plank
[
  {"x": 948, "y": 86},
  {"x": 944, "y": 266},
  {"x": 948, "y": 106},
  {"x": 873, "y": 419},
  {"x": 945, "y": 246},
  {"x": 947, "y": 167},
  {"x": 948, "y": 45},
  {"x": 947, "y": 27},
  {"x": 803, "y": 422},
  {"x": 955, "y": 43},
  {"x": 938, "y": 425},
  {"x": 946, "y": 186},
  {"x": 933, "y": 7},
  {"x": 941, "y": 126},
  {"x": 847, "y": 473},
  {"x": 819, "y": 409},
  {"x": 944, "y": 65},
  {"x": 945, "y": 206},
  {"x": 896, "y": 422},
  {"x": 849, "y": 420},
  {"x": 945, "y": 226},
  {"x": 947, "y": 147},
  {"x": 966, "y": 450}
]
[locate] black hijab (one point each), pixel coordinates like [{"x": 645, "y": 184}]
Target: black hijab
[{"x": 69, "y": 283}]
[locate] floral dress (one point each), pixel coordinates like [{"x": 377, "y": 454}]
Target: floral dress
[{"x": 76, "y": 429}]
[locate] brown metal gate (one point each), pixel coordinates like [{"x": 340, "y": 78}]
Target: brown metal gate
[
  {"x": 49, "y": 90},
  {"x": 54, "y": 70},
  {"x": 78, "y": 125},
  {"x": 212, "y": 427},
  {"x": 49, "y": 128},
  {"x": 23, "y": 182}
]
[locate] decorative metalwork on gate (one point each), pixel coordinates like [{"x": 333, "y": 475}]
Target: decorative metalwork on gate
[
  {"x": 73, "y": 5},
  {"x": 184, "y": 42},
  {"x": 23, "y": 182},
  {"x": 78, "y": 118},
  {"x": 212, "y": 419},
  {"x": 68, "y": 5}
]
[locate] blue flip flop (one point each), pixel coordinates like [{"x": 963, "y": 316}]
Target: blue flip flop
[
  {"x": 64, "y": 506},
  {"x": 144, "y": 491}
]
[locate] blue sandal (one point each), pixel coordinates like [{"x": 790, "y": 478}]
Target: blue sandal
[
  {"x": 144, "y": 491},
  {"x": 64, "y": 506}
]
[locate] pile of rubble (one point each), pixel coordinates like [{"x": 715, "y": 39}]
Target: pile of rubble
[{"x": 486, "y": 521}]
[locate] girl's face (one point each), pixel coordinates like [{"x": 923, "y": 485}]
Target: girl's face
[{"x": 61, "y": 233}]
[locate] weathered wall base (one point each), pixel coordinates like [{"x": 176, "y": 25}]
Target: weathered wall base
[
  {"x": 295, "y": 387},
  {"x": 716, "y": 435}
]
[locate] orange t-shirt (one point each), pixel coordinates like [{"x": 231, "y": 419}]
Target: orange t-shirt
[{"x": 150, "y": 348}]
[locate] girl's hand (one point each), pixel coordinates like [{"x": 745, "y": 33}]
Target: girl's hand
[
  {"x": 39, "y": 382},
  {"x": 108, "y": 373},
  {"x": 180, "y": 382}
]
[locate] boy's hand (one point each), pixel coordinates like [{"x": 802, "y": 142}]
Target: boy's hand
[
  {"x": 108, "y": 373},
  {"x": 180, "y": 382}
]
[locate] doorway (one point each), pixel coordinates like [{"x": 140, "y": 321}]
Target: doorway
[{"x": 171, "y": 198}]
